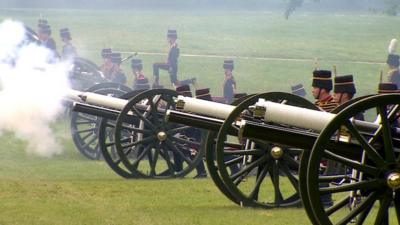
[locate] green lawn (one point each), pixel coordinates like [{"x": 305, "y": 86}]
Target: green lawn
[{"x": 68, "y": 189}]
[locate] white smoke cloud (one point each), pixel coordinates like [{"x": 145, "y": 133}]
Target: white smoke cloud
[{"x": 32, "y": 85}]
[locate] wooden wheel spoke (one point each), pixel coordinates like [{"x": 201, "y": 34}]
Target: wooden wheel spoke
[
  {"x": 397, "y": 205},
  {"x": 247, "y": 168},
  {"x": 154, "y": 159},
  {"x": 177, "y": 130},
  {"x": 289, "y": 159},
  {"x": 142, "y": 154},
  {"x": 141, "y": 142},
  {"x": 142, "y": 117},
  {"x": 260, "y": 177},
  {"x": 274, "y": 174},
  {"x": 186, "y": 141},
  {"x": 351, "y": 163},
  {"x": 86, "y": 130},
  {"x": 338, "y": 205},
  {"x": 383, "y": 213},
  {"x": 257, "y": 152},
  {"x": 293, "y": 180},
  {"x": 362, "y": 185},
  {"x": 179, "y": 152},
  {"x": 92, "y": 140},
  {"x": 367, "y": 203},
  {"x": 386, "y": 134},
  {"x": 234, "y": 161},
  {"x": 371, "y": 152},
  {"x": 363, "y": 216},
  {"x": 232, "y": 145},
  {"x": 170, "y": 164},
  {"x": 136, "y": 129},
  {"x": 86, "y": 136}
]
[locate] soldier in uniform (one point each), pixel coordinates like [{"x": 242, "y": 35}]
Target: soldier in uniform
[
  {"x": 107, "y": 65},
  {"x": 172, "y": 61},
  {"x": 299, "y": 90},
  {"x": 229, "y": 85},
  {"x": 68, "y": 50},
  {"x": 140, "y": 81},
  {"x": 322, "y": 86},
  {"x": 117, "y": 75},
  {"x": 344, "y": 91},
  {"x": 46, "y": 40},
  {"x": 394, "y": 73}
]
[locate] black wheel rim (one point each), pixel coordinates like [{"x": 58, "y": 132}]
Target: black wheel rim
[
  {"x": 257, "y": 190},
  {"x": 156, "y": 148},
  {"x": 364, "y": 196},
  {"x": 107, "y": 143}
]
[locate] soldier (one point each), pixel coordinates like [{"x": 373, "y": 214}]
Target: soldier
[
  {"x": 344, "y": 89},
  {"x": 172, "y": 61},
  {"x": 68, "y": 50},
  {"x": 322, "y": 86},
  {"x": 107, "y": 65},
  {"x": 46, "y": 40},
  {"x": 229, "y": 85},
  {"x": 394, "y": 73},
  {"x": 117, "y": 75},
  {"x": 140, "y": 81},
  {"x": 299, "y": 90}
]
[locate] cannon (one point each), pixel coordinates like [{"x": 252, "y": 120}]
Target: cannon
[{"x": 367, "y": 150}]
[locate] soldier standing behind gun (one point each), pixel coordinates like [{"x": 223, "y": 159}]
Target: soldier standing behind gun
[
  {"x": 107, "y": 65},
  {"x": 172, "y": 61},
  {"x": 46, "y": 40},
  {"x": 68, "y": 50},
  {"x": 229, "y": 85},
  {"x": 322, "y": 86},
  {"x": 117, "y": 75}
]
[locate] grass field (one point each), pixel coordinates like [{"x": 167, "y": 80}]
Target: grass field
[{"x": 270, "y": 53}]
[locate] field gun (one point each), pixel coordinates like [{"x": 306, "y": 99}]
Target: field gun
[{"x": 357, "y": 162}]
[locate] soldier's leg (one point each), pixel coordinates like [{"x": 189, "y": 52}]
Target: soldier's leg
[
  {"x": 156, "y": 70},
  {"x": 173, "y": 74}
]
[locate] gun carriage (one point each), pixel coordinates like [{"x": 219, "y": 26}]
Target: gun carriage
[{"x": 367, "y": 150}]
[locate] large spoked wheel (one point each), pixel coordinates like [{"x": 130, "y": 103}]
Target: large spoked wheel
[
  {"x": 107, "y": 142},
  {"x": 84, "y": 127},
  {"x": 305, "y": 161},
  {"x": 149, "y": 146},
  {"x": 369, "y": 192},
  {"x": 85, "y": 74},
  {"x": 210, "y": 158},
  {"x": 258, "y": 173}
]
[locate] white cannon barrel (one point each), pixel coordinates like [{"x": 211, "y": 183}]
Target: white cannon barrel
[
  {"x": 96, "y": 99},
  {"x": 204, "y": 107}
]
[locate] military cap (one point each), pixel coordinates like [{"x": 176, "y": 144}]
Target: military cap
[
  {"x": 344, "y": 84},
  {"x": 184, "y": 90},
  {"x": 142, "y": 84},
  {"x": 393, "y": 60},
  {"x": 45, "y": 29},
  {"x": 228, "y": 64},
  {"x": 116, "y": 57},
  {"x": 387, "y": 88},
  {"x": 106, "y": 53},
  {"x": 42, "y": 22},
  {"x": 64, "y": 33},
  {"x": 299, "y": 90},
  {"x": 203, "y": 94},
  {"x": 172, "y": 34},
  {"x": 136, "y": 64},
  {"x": 322, "y": 79}
]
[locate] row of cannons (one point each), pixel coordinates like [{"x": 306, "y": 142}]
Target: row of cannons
[{"x": 266, "y": 150}]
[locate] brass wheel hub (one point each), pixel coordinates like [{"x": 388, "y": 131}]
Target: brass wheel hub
[
  {"x": 276, "y": 152},
  {"x": 162, "y": 136},
  {"x": 393, "y": 180}
]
